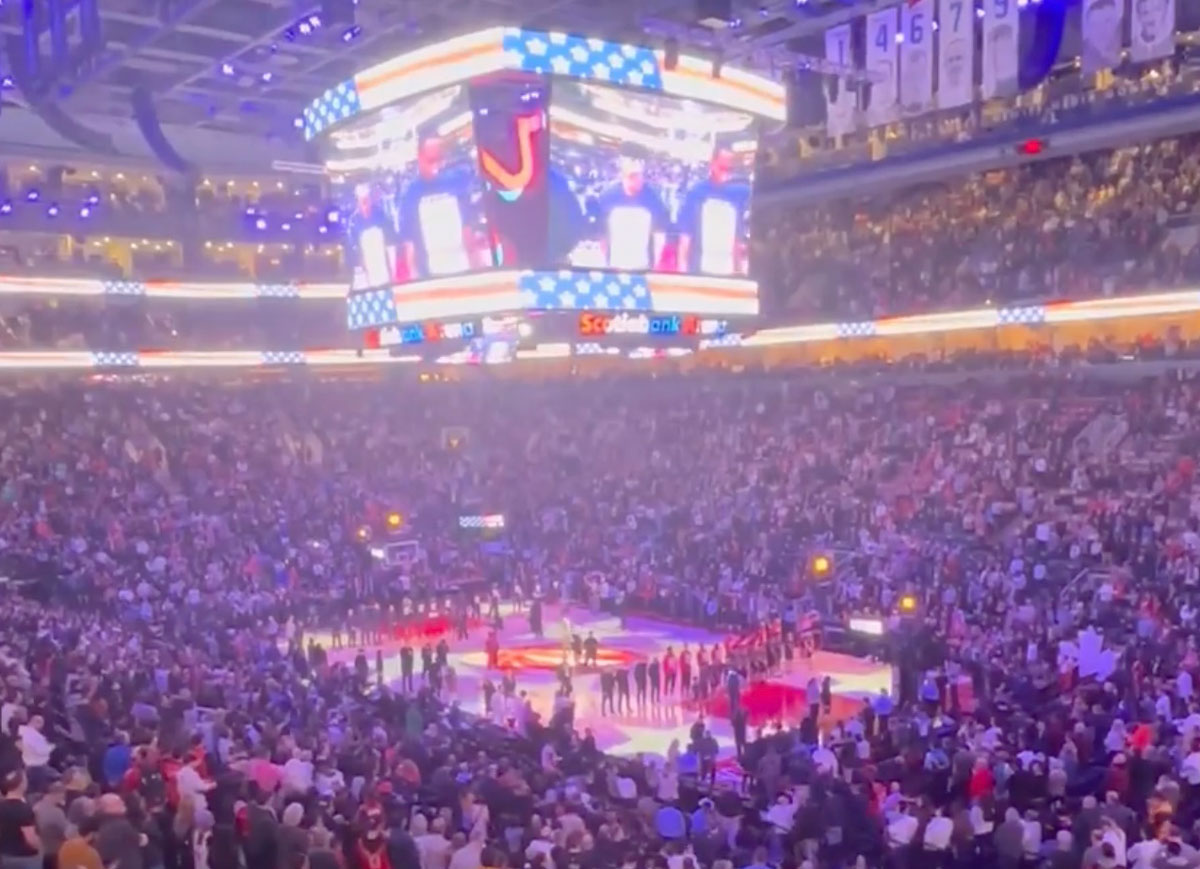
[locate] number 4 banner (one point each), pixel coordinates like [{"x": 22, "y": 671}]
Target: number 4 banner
[
  {"x": 956, "y": 53},
  {"x": 916, "y": 56},
  {"x": 883, "y": 56}
]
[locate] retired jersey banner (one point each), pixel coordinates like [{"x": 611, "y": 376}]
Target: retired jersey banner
[
  {"x": 1103, "y": 27},
  {"x": 1152, "y": 29},
  {"x": 883, "y": 55},
  {"x": 841, "y": 99},
  {"x": 956, "y": 53},
  {"x": 916, "y": 56},
  {"x": 1001, "y": 32}
]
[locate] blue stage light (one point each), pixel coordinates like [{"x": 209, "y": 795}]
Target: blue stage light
[
  {"x": 333, "y": 216},
  {"x": 260, "y": 224},
  {"x": 85, "y": 212},
  {"x": 6, "y": 208},
  {"x": 227, "y": 69},
  {"x": 287, "y": 227},
  {"x": 32, "y": 195},
  {"x": 52, "y": 211}
]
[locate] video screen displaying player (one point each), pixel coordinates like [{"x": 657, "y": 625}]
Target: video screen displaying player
[
  {"x": 664, "y": 184},
  {"x": 712, "y": 220},
  {"x": 412, "y": 191}
]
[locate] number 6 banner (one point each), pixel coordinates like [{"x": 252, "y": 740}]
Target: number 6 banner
[
  {"x": 883, "y": 55},
  {"x": 1001, "y": 29},
  {"x": 956, "y": 53},
  {"x": 916, "y": 56}
]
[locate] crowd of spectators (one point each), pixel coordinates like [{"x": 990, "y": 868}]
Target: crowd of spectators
[
  {"x": 167, "y": 545},
  {"x": 1102, "y": 223}
]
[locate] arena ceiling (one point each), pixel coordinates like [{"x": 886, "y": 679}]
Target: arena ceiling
[{"x": 249, "y": 65}]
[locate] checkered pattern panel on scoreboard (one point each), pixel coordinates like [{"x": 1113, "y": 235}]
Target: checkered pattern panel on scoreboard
[
  {"x": 585, "y": 291},
  {"x": 372, "y": 308},
  {"x": 580, "y": 57}
]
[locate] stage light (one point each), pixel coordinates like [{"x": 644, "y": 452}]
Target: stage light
[
  {"x": 32, "y": 195},
  {"x": 52, "y": 211},
  {"x": 394, "y": 520},
  {"x": 287, "y": 227},
  {"x": 298, "y": 123},
  {"x": 333, "y": 215},
  {"x": 322, "y": 229},
  {"x": 314, "y": 21},
  {"x": 908, "y": 603},
  {"x": 299, "y": 215},
  {"x": 821, "y": 565},
  {"x": 267, "y": 76},
  {"x": 363, "y": 533},
  {"x": 250, "y": 211},
  {"x": 351, "y": 33},
  {"x": 7, "y": 82},
  {"x": 305, "y": 28},
  {"x": 6, "y": 208},
  {"x": 260, "y": 224},
  {"x": 85, "y": 212},
  {"x": 227, "y": 69}
]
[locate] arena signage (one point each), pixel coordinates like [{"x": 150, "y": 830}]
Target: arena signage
[{"x": 642, "y": 324}]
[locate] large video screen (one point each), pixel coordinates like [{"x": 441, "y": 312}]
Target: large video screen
[
  {"x": 413, "y": 195},
  {"x": 657, "y": 183}
]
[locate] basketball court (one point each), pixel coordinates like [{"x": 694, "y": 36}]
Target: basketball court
[{"x": 647, "y": 730}]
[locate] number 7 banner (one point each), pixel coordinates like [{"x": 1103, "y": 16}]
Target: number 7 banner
[
  {"x": 916, "y": 56},
  {"x": 956, "y": 53}
]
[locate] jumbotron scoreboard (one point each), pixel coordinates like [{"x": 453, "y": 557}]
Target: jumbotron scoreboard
[{"x": 517, "y": 180}]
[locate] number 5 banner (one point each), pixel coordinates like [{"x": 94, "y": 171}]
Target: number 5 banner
[
  {"x": 956, "y": 53},
  {"x": 1152, "y": 34},
  {"x": 841, "y": 100},
  {"x": 883, "y": 55},
  {"x": 916, "y": 56},
  {"x": 1001, "y": 29}
]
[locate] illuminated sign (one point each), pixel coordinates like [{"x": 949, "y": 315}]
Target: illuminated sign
[
  {"x": 488, "y": 521},
  {"x": 648, "y": 324},
  {"x": 425, "y": 333}
]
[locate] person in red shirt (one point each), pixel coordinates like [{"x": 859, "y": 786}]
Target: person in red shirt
[{"x": 982, "y": 782}]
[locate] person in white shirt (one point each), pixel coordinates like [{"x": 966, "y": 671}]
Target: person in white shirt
[
  {"x": 35, "y": 748},
  {"x": 1031, "y": 839},
  {"x": 938, "y": 832},
  {"x": 432, "y": 845},
  {"x": 901, "y": 830},
  {"x": 191, "y": 784},
  {"x": 298, "y": 774}
]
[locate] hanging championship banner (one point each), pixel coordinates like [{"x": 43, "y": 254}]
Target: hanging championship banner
[
  {"x": 916, "y": 56},
  {"x": 1103, "y": 26},
  {"x": 1001, "y": 29},
  {"x": 956, "y": 53},
  {"x": 883, "y": 54},
  {"x": 1152, "y": 30},
  {"x": 840, "y": 98}
]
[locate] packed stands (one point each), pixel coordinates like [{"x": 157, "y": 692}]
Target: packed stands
[
  {"x": 152, "y": 651},
  {"x": 1105, "y": 223}
]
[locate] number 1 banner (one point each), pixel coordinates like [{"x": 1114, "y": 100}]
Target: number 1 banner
[
  {"x": 1001, "y": 32},
  {"x": 883, "y": 55},
  {"x": 916, "y": 56},
  {"x": 956, "y": 53},
  {"x": 841, "y": 100}
]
